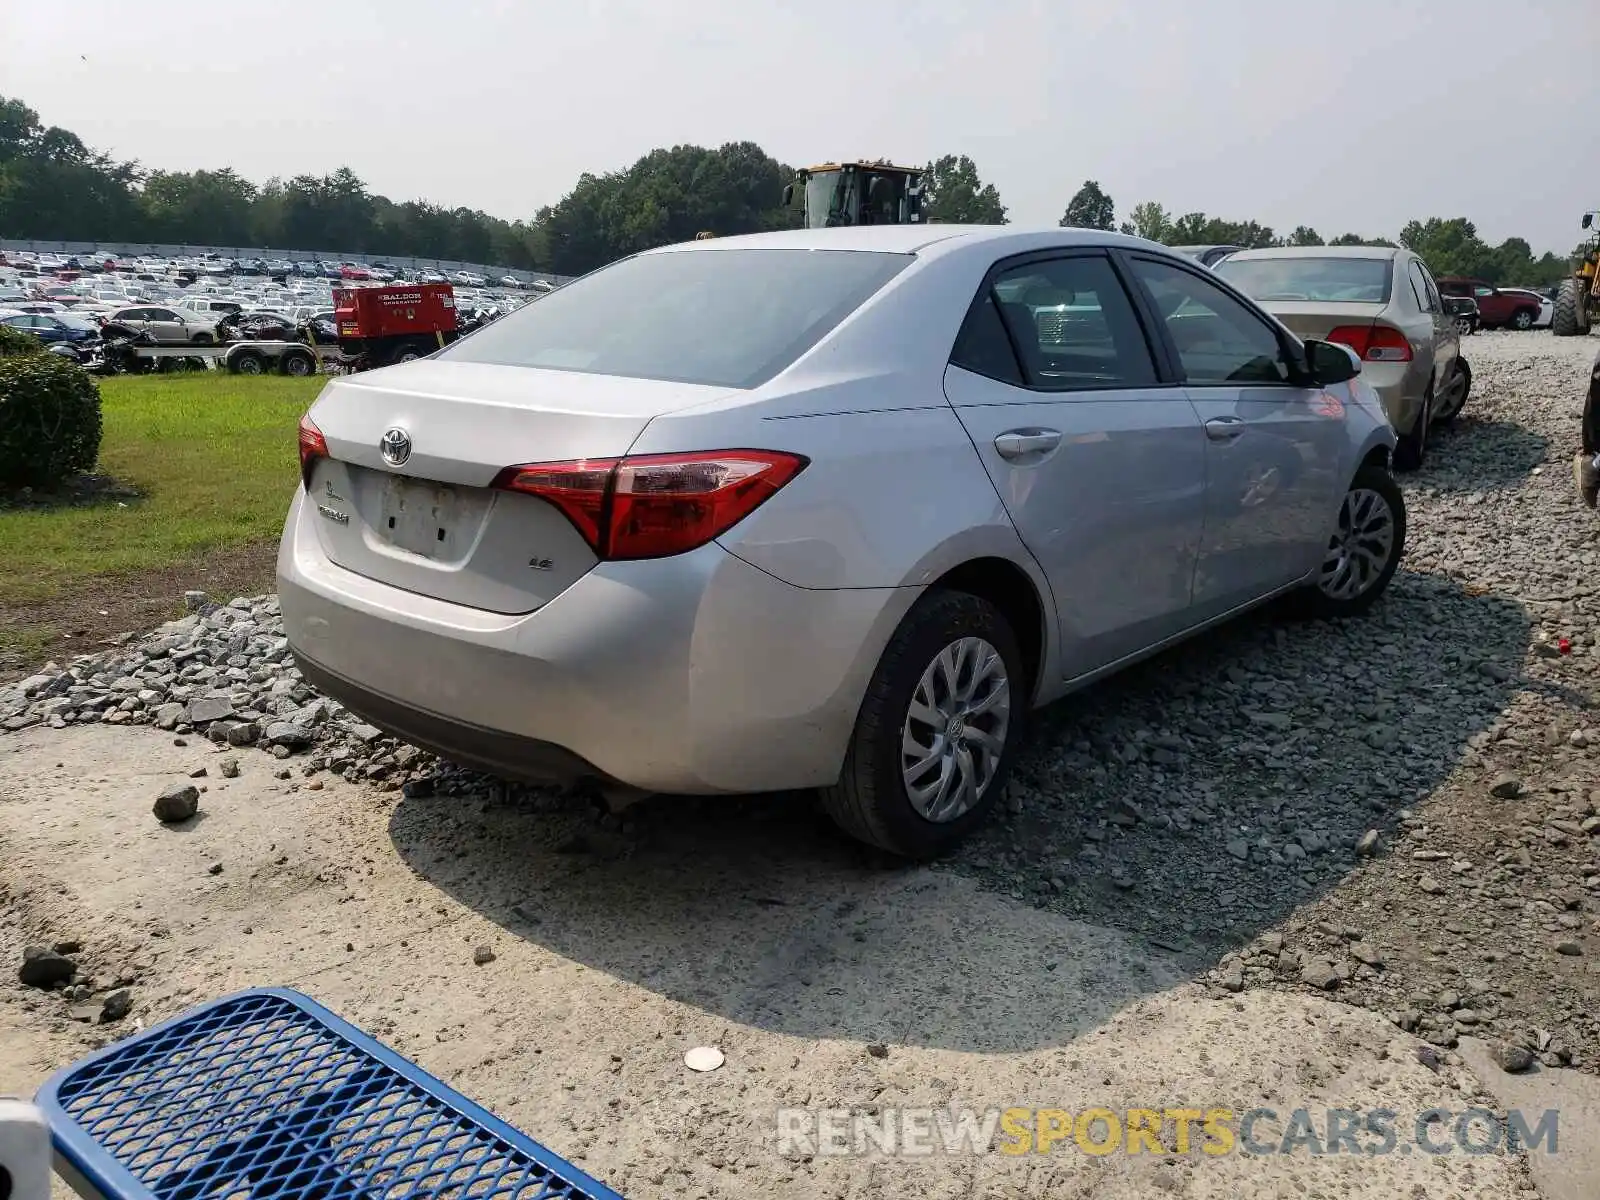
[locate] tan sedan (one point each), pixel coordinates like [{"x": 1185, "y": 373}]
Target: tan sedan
[
  {"x": 1382, "y": 303},
  {"x": 169, "y": 326}
]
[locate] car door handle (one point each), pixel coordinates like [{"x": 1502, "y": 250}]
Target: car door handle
[
  {"x": 1224, "y": 429},
  {"x": 1019, "y": 443}
]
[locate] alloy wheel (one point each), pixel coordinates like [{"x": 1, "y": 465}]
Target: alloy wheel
[
  {"x": 1455, "y": 394},
  {"x": 1360, "y": 548},
  {"x": 954, "y": 734}
]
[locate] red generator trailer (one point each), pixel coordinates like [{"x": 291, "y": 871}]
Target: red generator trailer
[{"x": 379, "y": 326}]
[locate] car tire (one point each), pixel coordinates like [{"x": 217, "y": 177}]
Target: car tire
[
  {"x": 409, "y": 352},
  {"x": 947, "y": 637},
  {"x": 1523, "y": 319},
  {"x": 1364, "y": 551},
  {"x": 202, "y": 339},
  {"x": 1456, "y": 400},
  {"x": 248, "y": 363},
  {"x": 1413, "y": 445}
]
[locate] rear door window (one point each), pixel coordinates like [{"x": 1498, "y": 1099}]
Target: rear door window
[
  {"x": 1427, "y": 299},
  {"x": 984, "y": 347},
  {"x": 1070, "y": 324},
  {"x": 728, "y": 318}
]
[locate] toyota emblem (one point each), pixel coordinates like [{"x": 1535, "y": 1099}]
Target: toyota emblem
[{"x": 395, "y": 446}]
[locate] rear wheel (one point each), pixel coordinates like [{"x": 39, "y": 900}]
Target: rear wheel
[
  {"x": 1570, "y": 315},
  {"x": 937, "y": 730},
  {"x": 203, "y": 339},
  {"x": 1413, "y": 447},
  {"x": 249, "y": 363},
  {"x": 1454, "y": 397},
  {"x": 298, "y": 363},
  {"x": 1364, "y": 551},
  {"x": 1522, "y": 319},
  {"x": 409, "y": 352}
]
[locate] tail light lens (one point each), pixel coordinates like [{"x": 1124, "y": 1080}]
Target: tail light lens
[
  {"x": 312, "y": 447},
  {"x": 655, "y": 505},
  {"x": 1374, "y": 343}
]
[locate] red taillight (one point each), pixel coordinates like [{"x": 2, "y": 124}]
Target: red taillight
[
  {"x": 312, "y": 447},
  {"x": 654, "y": 505},
  {"x": 1374, "y": 343}
]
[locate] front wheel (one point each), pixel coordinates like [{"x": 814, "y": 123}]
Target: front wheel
[
  {"x": 1570, "y": 316},
  {"x": 937, "y": 729},
  {"x": 1522, "y": 320},
  {"x": 1368, "y": 541},
  {"x": 249, "y": 363}
]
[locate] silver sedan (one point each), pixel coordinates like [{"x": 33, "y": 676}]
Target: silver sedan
[
  {"x": 1382, "y": 302},
  {"x": 836, "y": 509}
]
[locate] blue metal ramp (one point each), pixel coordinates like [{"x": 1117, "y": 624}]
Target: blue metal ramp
[{"x": 266, "y": 1095}]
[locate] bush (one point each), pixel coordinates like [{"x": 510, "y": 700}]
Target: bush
[
  {"x": 49, "y": 420},
  {"x": 14, "y": 341}
]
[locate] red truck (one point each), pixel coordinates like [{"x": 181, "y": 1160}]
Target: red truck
[
  {"x": 378, "y": 326},
  {"x": 1496, "y": 309}
]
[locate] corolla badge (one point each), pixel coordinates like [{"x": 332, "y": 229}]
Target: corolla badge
[{"x": 395, "y": 446}]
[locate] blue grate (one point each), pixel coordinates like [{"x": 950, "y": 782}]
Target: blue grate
[{"x": 266, "y": 1095}]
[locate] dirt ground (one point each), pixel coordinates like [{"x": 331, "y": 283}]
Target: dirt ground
[
  {"x": 85, "y": 617},
  {"x": 760, "y": 936}
]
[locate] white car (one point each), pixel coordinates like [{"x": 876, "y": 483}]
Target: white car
[{"x": 1546, "y": 308}]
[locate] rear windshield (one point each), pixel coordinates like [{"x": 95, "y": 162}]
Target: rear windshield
[
  {"x": 729, "y": 318},
  {"x": 1331, "y": 279}
]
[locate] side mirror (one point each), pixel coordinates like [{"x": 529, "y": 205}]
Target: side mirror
[
  {"x": 1331, "y": 362},
  {"x": 788, "y": 198}
]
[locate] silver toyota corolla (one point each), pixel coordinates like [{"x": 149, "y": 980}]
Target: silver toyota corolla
[{"x": 826, "y": 508}]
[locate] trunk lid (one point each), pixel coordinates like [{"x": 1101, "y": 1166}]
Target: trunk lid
[
  {"x": 1318, "y": 318},
  {"x": 431, "y": 524}
]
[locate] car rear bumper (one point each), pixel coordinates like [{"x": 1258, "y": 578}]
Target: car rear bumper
[
  {"x": 1400, "y": 387},
  {"x": 697, "y": 673}
]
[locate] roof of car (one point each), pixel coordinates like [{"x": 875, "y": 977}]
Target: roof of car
[
  {"x": 906, "y": 239},
  {"x": 1316, "y": 252}
]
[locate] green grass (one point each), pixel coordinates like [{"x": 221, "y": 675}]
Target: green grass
[{"x": 215, "y": 459}]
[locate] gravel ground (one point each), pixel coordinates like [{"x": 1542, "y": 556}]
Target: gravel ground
[
  {"x": 1223, "y": 792},
  {"x": 1397, "y": 813}
]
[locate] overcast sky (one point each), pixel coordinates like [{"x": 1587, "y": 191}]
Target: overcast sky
[{"x": 1348, "y": 117}]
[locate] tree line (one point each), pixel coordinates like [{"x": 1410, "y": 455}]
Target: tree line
[
  {"x": 1449, "y": 245},
  {"x": 53, "y": 186}
]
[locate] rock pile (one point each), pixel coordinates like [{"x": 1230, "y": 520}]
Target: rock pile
[{"x": 223, "y": 672}]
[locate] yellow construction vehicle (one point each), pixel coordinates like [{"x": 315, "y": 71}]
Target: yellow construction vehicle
[
  {"x": 857, "y": 193},
  {"x": 1577, "y": 302}
]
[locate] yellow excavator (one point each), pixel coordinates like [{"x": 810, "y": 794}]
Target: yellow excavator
[
  {"x": 1577, "y": 300},
  {"x": 857, "y": 193}
]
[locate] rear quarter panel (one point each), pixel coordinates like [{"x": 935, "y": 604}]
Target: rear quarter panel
[{"x": 890, "y": 498}]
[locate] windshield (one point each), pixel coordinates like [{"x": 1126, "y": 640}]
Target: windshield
[
  {"x": 1327, "y": 279},
  {"x": 821, "y": 201},
  {"x": 729, "y": 318}
]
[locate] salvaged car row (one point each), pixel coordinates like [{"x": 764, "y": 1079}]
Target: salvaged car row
[{"x": 110, "y": 322}]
